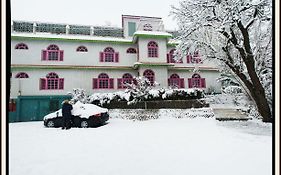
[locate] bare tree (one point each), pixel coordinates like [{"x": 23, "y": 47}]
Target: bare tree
[{"x": 238, "y": 34}]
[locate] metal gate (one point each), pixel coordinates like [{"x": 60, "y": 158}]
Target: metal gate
[{"x": 34, "y": 108}]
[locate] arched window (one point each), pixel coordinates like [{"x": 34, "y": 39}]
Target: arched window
[
  {"x": 131, "y": 50},
  {"x": 103, "y": 82},
  {"x": 152, "y": 47},
  {"x": 22, "y": 75},
  {"x": 196, "y": 81},
  {"x": 175, "y": 81},
  {"x": 195, "y": 58},
  {"x": 126, "y": 78},
  {"x": 147, "y": 27},
  {"x": 21, "y": 46},
  {"x": 53, "y": 53},
  {"x": 109, "y": 55},
  {"x": 53, "y": 47},
  {"x": 51, "y": 82},
  {"x": 170, "y": 57},
  {"x": 81, "y": 49},
  {"x": 149, "y": 74}
]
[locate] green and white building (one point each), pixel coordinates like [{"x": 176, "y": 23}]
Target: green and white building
[{"x": 48, "y": 60}]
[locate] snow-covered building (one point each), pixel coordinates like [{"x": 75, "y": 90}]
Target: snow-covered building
[{"x": 48, "y": 60}]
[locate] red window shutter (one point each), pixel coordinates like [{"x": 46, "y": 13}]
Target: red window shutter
[
  {"x": 61, "y": 83},
  {"x": 135, "y": 82},
  {"x": 203, "y": 83},
  {"x": 101, "y": 57},
  {"x": 119, "y": 83},
  {"x": 168, "y": 58},
  {"x": 116, "y": 55},
  {"x": 44, "y": 55},
  {"x": 188, "y": 58},
  {"x": 42, "y": 84},
  {"x": 189, "y": 82},
  {"x": 61, "y": 55},
  {"x": 111, "y": 83},
  {"x": 95, "y": 83},
  {"x": 181, "y": 83},
  {"x": 169, "y": 82}
]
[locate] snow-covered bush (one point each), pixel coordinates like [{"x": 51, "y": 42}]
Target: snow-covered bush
[
  {"x": 144, "y": 114},
  {"x": 152, "y": 94},
  {"x": 78, "y": 94},
  {"x": 139, "y": 89},
  {"x": 232, "y": 90}
]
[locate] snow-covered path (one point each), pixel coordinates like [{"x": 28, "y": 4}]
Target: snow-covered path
[{"x": 164, "y": 146}]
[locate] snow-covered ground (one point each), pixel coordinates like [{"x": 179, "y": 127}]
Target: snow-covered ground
[{"x": 164, "y": 146}]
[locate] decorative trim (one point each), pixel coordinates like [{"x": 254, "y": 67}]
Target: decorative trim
[
  {"x": 138, "y": 64},
  {"x": 193, "y": 67},
  {"x": 29, "y": 66},
  {"x": 152, "y": 36},
  {"x": 69, "y": 40}
]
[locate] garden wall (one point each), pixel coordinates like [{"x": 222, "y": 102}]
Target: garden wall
[{"x": 159, "y": 104}]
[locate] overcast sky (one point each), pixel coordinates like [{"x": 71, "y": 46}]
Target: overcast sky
[{"x": 91, "y": 12}]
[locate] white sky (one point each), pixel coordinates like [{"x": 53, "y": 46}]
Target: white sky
[{"x": 91, "y": 12}]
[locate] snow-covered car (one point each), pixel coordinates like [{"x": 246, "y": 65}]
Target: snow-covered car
[{"x": 83, "y": 115}]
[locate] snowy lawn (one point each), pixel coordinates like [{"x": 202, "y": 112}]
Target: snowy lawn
[{"x": 166, "y": 146}]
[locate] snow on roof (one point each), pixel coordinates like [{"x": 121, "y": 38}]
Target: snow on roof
[
  {"x": 156, "y": 33},
  {"x": 70, "y": 37}
]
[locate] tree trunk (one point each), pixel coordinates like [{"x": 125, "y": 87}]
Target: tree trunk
[
  {"x": 255, "y": 87},
  {"x": 258, "y": 94}
]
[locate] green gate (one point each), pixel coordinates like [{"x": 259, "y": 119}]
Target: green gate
[{"x": 34, "y": 108}]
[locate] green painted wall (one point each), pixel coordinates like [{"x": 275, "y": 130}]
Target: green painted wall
[{"x": 34, "y": 108}]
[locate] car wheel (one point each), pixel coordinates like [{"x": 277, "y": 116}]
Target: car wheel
[
  {"x": 50, "y": 123},
  {"x": 84, "y": 124}
]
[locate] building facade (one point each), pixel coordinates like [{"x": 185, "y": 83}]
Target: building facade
[{"x": 49, "y": 60}]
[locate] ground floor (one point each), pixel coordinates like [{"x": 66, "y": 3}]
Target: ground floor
[
  {"x": 54, "y": 81},
  {"x": 35, "y": 92}
]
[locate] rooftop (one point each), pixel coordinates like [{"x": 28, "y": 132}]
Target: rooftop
[{"x": 70, "y": 29}]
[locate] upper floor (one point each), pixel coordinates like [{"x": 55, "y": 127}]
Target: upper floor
[{"x": 142, "y": 40}]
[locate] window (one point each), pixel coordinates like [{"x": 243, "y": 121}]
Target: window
[
  {"x": 131, "y": 28},
  {"x": 103, "y": 82},
  {"x": 196, "y": 58},
  {"x": 147, "y": 27},
  {"x": 131, "y": 50},
  {"x": 175, "y": 81},
  {"x": 21, "y": 46},
  {"x": 149, "y": 74},
  {"x": 196, "y": 82},
  {"x": 51, "y": 82},
  {"x": 52, "y": 53},
  {"x": 22, "y": 75},
  {"x": 109, "y": 55},
  {"x": 81, "y": 49},
  {"x": 126, "y": 78},
  {"x": 170, "y": 57},
  {"x": 152, "y": 49}
]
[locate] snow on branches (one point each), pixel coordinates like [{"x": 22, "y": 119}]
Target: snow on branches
[
  {"x": 139, "y": 88},
  {"x": 78, "y": 94},
  {"x": 238, "y": 35}
]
